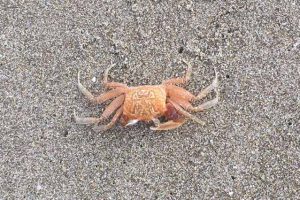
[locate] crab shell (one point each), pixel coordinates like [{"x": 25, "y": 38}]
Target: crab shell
[{"x": 144, "y": 103}]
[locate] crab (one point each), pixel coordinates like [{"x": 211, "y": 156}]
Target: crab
[{"x": 148, "y": 103}]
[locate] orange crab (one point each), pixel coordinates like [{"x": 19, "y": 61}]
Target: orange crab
[{"x": 148, "y": 103}]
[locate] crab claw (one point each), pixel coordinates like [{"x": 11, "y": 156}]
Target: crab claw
[
  {"x": 166, "y": 125},
  {"x": 132, "y": 122}
]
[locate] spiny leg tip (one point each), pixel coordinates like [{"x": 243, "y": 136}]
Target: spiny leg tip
[
  {"x": 100, "y": 128},
  {"x": 75, "y": 116},
  {"x": 153, "y": 128},
  {"x": 202, "y": 123},
  {"x": 216, "y": 72},
  {"x": 186, "y": 62},
  {"x": 78, "y": 76},
  {"x": 109, "y": 68}
]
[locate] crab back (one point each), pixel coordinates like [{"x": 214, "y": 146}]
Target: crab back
[{"x": 144, "y": 103}]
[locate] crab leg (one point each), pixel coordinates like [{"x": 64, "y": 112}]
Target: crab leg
[
  {"x": 103, "y": 97},
  {"x": 111, "y": 123},
  {"x": 182, "y": 96},
  {"x": 86, "y": 120},
  {"x": 205, "y": 105},
  {"x": 188, "y": 106},
  {"x": 165, "y": 126},
  {"x": 208, "y": 89},
  {"x": 112, "y": 107},
  {"x": 111, "y": 84},
  {"x": 115, "y": 104},
  {"x": 182, "y": 102},
  {"x": 181, "y": 80},
  {"x": 185, "y": 113},
  {"x": 203, "y": 93}
]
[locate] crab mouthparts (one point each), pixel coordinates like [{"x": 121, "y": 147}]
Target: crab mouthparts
[{"x": 132, "y": 122}]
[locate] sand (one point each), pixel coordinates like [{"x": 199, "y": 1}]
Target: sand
[{"x": 248, "y": 149}]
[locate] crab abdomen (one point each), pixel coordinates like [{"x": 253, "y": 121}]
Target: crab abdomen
[{"x": 144, "y": 103}]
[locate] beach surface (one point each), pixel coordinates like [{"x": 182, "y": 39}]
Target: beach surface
[{"x": 249, "y": 147}]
